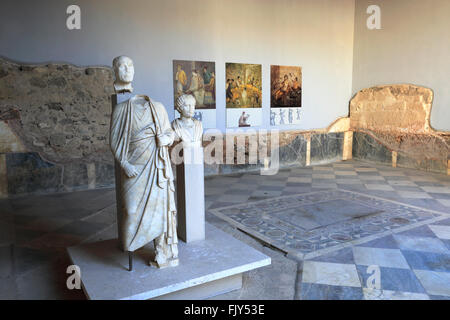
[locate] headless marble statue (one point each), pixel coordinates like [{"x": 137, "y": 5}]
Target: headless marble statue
[{"x": 139, "y": 138}]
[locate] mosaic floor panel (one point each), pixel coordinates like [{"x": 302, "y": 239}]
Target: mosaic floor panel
[{"x": 308, "y": 225}]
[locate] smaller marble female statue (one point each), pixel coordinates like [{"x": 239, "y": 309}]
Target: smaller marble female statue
[
  {"x": 187, "y": 128},
  {"x": 190, "y": 172}
]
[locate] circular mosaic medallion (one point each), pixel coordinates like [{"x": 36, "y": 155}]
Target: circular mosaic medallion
[
  {"x": 303, "y": 246},
  {"x": 340, "y": 237},
  {"x": 276, "y": 233},
  {"x": 371, "y": 228},
  {"x": 251, "y": 222},
  {"x": 301, "y": 234},
  {"x": 231, "y": 211},
  {"x": 399, "y": 220}
]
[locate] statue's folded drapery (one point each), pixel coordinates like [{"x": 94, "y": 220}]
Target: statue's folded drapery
[
  {"x": 140, "y": 133},
  {"x": 193, "y": 139}
]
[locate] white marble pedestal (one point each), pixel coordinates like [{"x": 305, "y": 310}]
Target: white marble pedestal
[
  {"x": 191, "y": 195},
  {"x": 207, "y": 268}
]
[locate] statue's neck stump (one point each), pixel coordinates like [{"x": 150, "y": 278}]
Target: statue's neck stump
[{"x": 123, "y": 87}]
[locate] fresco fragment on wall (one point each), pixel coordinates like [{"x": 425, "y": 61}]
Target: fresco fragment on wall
[
  {"x": 243, "y": 91},
  {"x": 285, "y": 95},
  {"x": 197, "y": 78}
]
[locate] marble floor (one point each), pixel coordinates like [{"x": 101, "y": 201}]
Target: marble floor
[{"x": 347, "y": 230}]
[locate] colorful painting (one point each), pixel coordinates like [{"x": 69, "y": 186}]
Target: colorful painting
[
  {"x": 243, "y": 94},
  {"x": 285, "y": 95},
  {"x": 197, "y": 78}
]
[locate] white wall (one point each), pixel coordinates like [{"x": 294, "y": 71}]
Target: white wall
[
  {"x": 413, "y": 46},
  {"x": 314, "y": 34}
]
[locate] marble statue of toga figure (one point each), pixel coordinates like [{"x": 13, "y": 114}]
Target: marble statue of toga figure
[{"x": 139, "y": 139}]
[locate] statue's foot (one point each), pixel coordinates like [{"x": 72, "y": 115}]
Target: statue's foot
[
  {"x": 157, "y": 265},
  {"x": 161, "y": 258},
  {"x": 174, "y": 251},
  {"x": 166, "y": 255},
  {"x": 174, "y": 262},
  {"x": 168, "y": 263},
  {"x": 160, "y": 261}
]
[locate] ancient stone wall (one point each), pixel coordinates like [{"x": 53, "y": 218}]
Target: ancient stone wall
[
  {"x": 58, "y": 110},
  {"x": 392, "y": 108},
  {"x": 54, "y": 126},
  {"x": 396, "y": 118},
  {"x": 295, "y": 148}
]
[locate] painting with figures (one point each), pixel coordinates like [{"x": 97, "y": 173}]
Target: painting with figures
[
  {"x": 285, "y": 95},
  {"x": 197, "y": 78},
  {"x": 243, "y": 85},
  {"x": 243, "y": 94}
]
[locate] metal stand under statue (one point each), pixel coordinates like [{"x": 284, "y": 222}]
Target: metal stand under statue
[{"x": 209, "y": 262}]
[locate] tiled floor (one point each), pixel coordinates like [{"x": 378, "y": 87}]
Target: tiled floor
[{"x": 411, "y": 263}]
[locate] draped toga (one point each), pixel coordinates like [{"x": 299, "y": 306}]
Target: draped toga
[{"x": 146, "y": 208}]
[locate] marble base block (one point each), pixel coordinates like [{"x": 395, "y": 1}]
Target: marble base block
[
  {"x": 207, "y": 268},
  {"x": 206, "y": 290},
  {"x": 191, "y": 195}
]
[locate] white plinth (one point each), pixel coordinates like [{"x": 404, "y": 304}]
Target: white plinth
[
  {"x": 207, "y": 268},
  {"x": 191, "y": 195}
]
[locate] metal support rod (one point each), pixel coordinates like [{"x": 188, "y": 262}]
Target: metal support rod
[{"x": 130, "y": 260}]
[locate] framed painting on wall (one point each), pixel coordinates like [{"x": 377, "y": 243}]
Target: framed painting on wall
[
  {"x": 197, "y": 78},
  {"x": 285, "y": 95},
  {"x": 243, "y": 94}
]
